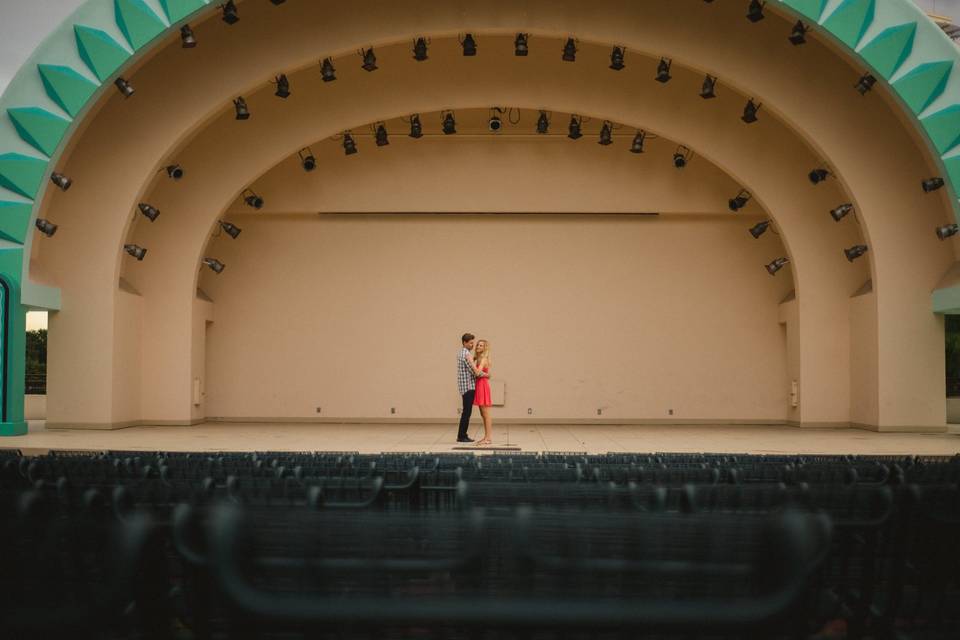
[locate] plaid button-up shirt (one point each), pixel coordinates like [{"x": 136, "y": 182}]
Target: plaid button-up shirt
[{"x": 466, "y": 381}]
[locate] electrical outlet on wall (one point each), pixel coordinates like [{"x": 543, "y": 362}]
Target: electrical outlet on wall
[
  {"x": 318, "y": 409},
  {"x": 669, "y": 412},
  {"x": 599, "y": 412},
  {"x": 393, "y": 409}
]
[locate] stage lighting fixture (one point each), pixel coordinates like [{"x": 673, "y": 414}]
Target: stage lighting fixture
[
  {"x": 349, "y": 146},
  {"x": 327, "y": 72},
  {"x": 543, "y": 123},
  {"x": 187, "y": 39},
  {"x": 369, "y": 59},
  {"x": 637, "y": 145},
  {"x": 416, "y": 129},
  {"x": 759, "y": 229},
  {"x": 750, "y": 111},
  {"x": 232, "y": 230},
  {"x": 739, "y": 201},
  {"x": 709, "y": 88},
  {"x": 174, "y": 171},
  {"x": 469, "y": 45},
  {"x": 755, "y": 11},
  {"x": 420, "y": 49},
  {"x": 841, "y": 212},
  {"x": 252, "y": 200},
  {"x": 776, "y": 265},
  {"x": 855, "y": 251},
  {"x": 520, "y": 44},
  {"x": 243, "y": 113},
  {"x": 214, "y": 264},
  {"x": 865, "y": 83},
  {"x": 136, "y": 251},
  {"x": 381, "y": 135},
  {"x": 449, "y": 123},
  {"x": 799, "y": 34},
  {"x": 818, "y": 175},
  {"x": 663, "y": 70},
  {"x": 278, "y": 2},
  {"x": 574, "y": 128},
  {"x": 680, "y": 157},
  {"x": 283, "y": 86},
  {"x": 570, "y": 51},
  {"x": 230, "y": 15},
  {"x": 124, "y": 87},
  {"x": 150, "y": 212},
  {"x": 616, "y": 59},
  {"x": 62, "y": 181},
  {"x": 46, "y": 227},
  {"x": 494, "y": 123},
  {"x": 948, "y": 231},
  {"x": 932, "y": 184},
  {"x": 606, "y": 133},
  {"x": 307, "y": 160}
]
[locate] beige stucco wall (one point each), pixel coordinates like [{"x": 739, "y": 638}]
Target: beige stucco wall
[{"x": 864, "y": 405}]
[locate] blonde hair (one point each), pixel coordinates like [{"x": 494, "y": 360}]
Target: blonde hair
[{"x": 486, "y": 352}]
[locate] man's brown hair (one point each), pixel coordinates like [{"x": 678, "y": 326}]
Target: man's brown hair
[{"x": 467, "y": 337}]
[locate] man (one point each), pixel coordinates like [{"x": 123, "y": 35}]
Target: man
[{"x": 467, "y": 374}]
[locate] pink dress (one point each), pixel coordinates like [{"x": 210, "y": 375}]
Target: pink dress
[{"x": 482, "y": 396}]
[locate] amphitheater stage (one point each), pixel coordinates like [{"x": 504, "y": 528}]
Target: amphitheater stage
[{"x": 392, "y": 437}]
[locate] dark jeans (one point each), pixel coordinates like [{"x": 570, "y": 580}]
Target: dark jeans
[{"x": 465, "y": 415}]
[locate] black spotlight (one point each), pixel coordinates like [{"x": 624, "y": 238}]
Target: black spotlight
[
  {"x": 759, "y": 229},
  {"x": 680, "y": 157},
  {"x": 150, "y": 212},
  {"x": 381, "y": 135},
  {"x": 214, "y": 264},
  {"x": 931, "y": 184},
  {"x": 46, "y": 227},
  {"x": 449, "y": 123},
  {"x": 739, "y": 201},
  {"x": 187, "y": 39},
  {"x": 230, "y": 15},
  {"x": 637, "y": 145},
  {"x": 307, "y": 160},
  {"x": 799, "y": 34},
  {"x": 818, "y": 175},
  {"x": 174, "y": 171},
  {"x": 606, "y": 133},
  {"x": 416, "y": 129},
  {"x": 855, "y": 251},
  {"x": 420, "y": 49},
  {"x": 252, "y": 200},
  {"x": 469, "y": 45},
  {"x": 327, "y": 72},
  {"x": 841, "y": 212},
  {"x": 232, "y": 230},
  {"x": 574, "y": 129},
  {"x": 570, "y": 51},
  {"x": 543, "y": 123},
  {"x": 243, "y": 113},
  {"x": 776, "y": 265},
  {"x": 948, "y": 231},
  {"x": 62, "y": 181},
  {"x": 136, "y": 251},
  {"x": 369, "y": 59},
  {"x": 520, "y": 44},
  {"x": 616, "y": 59},
  {"x": 283, "y": 86},
  {"x": 124, "y": 87},
  {"x": 865, "y": 83},
  {"x": 349, "y": 146},
  {"x": 755, "y": 11},
  {"x": 750, "y": 111},
  {"x": 709, "y": 88},
  {"x": 663, "y": 70}
]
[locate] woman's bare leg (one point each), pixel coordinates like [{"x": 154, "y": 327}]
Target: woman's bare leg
[{"x": 487, "y": 425}]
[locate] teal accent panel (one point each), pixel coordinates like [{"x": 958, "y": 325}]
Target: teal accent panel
[
  {"x": 138, "y": 22},
  {"x": 850, "y": 21},
  {"x": 21, "y": 174},
  {"x": 813, "y": 9},
  {"x": 952, "y": 166},
  {"x": 14, "y": 220},
  {"x": 66, "y": 87},
  {"x": 99, "y": 51},
  {"x": 13, "y": 315},
  {"x": 887, "y": 51},
  {"x": 946, "y": 301},
  {"x": 943, "y": 127},
  {"x": 177, "y": 10},
  {"x": 39, "y": 127},
  {"x": 924, "y": 84}
]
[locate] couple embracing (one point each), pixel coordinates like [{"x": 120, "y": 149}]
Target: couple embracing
[{"x": 473, "y": 381}]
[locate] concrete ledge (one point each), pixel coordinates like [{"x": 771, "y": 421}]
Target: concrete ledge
[
  {"x": 496, "y": 420},
  {"x": 113, "y": 426},
  {"x": 818, "y": 425}
]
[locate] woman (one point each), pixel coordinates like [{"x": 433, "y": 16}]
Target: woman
[{"x": 482, "y": 399}]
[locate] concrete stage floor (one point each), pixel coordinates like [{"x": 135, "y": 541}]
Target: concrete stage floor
[{"x": 376, "y": 438}]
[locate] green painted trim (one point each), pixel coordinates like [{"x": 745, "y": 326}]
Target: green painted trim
[
  {"x": 812, "y": 9},
  {"x": 850, "y": 21},
  {"x": 924, "y": 84},
  {"x": 177, "y": 10},
  {"x": 10, "y": 264},
  {"x": 66, "y": 87},
  {"x": 39, "y": 127},
  {"x": 887, "y": 51},
  {"x": 946, "y": 301},
  {"x": 138, "y": 22},
  {"x": 21, "y": 174},
  {"x": 15, "y": 220},
  {"x": 943, "y": 127},
  {"x": 101, "y": 53}
]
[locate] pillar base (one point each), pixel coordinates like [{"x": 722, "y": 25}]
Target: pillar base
[{"x": 13, "y": 429}]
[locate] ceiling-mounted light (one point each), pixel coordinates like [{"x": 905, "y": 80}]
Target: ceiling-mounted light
[
  {"x": 416, "y": 129},
  {"x": 681, "y": 156},
  {"x": 174, "y": 171},
  {"x": 948, "y": 231},
  {"x": 574, "y": 128},
  {"x": 449, "y": 123},
  {"x": 543, "y": 122},
  {"x": 841, "y": 212},
  {"x": 230, "y": 15},
  {"x": 865, "y": 83},
  {"x": 136, "y": 251},
  {"x": 663, "y": 70},
  {"x": 776, "y": 265},
  {"x": 709, "y": 88},
  {"x": 307, "y": 160},
  {"x": 606, "y": 133},
  {"x": 240, "y": 105},
  {"x": 369, "y": 59},
  {"x": 327, "y": 72},
  {"x": 469, "y": 45},
  {"x": 63, "y": 182},
  {"x": 818, "y": 175},
  {"x": 251, "y": 199},
  {"x": 215, "y": 265},
  {"x": 755, "y": 11},
  {"x": 521, "y": 44},
  {"x": 750, "y": 111},
  {"x": 570, "y": 50},
  {"x": 149, "y": 212},
  {"x": 616, "y": 58},
  {"x": 759, "y": 229},
  {"x": 739, "y": 201},
  {"x": 855, "y": 251},
  {"x": 231, "y": 230},
  {"x": 187, "y": 39},
  {"x": 283, "y": 86},
  {"x": 349, "y": 146},
  {"x": 931, "y": 184},
  {"x": 381, "y": 135},
  {"x": 637, "y": 145},
  {"x": 799, "y": 34},
  {"x": 420, "y": 49},
  {"x": 46, "y": 227},
  {"x": 124, "y": 87}
]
